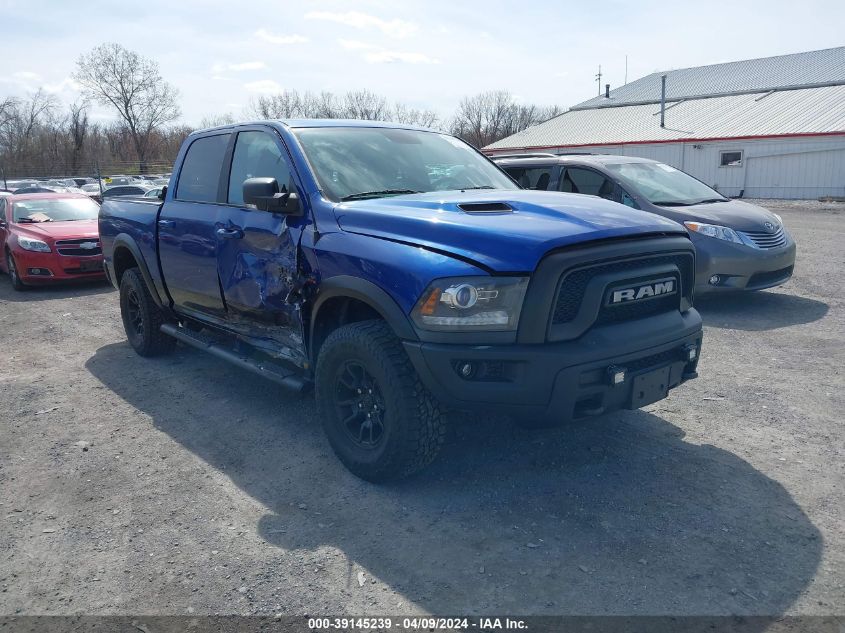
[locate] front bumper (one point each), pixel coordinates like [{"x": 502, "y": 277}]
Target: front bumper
[
  {"x": 34, "y": 267},
  {"x": 740, "y": 267},
  {"x": 565, "y": 380}
]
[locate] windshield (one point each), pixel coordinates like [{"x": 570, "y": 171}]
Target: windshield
[
  {"x": 55, "y": 210},
  {"x": 664, "y": 185},
  {"x": 357, "y": 163}
]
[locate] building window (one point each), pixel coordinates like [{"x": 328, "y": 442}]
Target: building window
[{"x": 730, "y": 159}]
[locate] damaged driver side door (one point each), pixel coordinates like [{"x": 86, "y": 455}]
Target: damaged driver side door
[{"x": 257, "y": 250}]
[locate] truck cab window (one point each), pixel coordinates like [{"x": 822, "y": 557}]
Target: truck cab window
[
  {"x": 256, "y": 156},
  {"x": 200, "y": 175}
]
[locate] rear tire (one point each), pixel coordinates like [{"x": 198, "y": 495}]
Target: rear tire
[
  {"x": 379, "y": 418},
  {"x": 142, "y": 318},
  {"x": 12, "y": 269}
]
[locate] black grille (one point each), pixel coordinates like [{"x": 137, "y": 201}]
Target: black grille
[
  {"x": 572, "y": 287},
  {"x": 762, "y": 239},
  {"x": 638, "y": 309},
  {"x": 71, "y": 247}
]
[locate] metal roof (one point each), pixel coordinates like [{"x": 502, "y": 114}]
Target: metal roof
[
  {"x": 790, "y": 112},
  {"x": 813, "y": 68}
]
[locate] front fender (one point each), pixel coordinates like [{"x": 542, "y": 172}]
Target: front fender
[{"x": 366, "y": 292}]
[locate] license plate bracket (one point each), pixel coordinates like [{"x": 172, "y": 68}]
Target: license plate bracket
[
  {"x": 91, "y": 265},
  {"x": 650, "y": 387}
]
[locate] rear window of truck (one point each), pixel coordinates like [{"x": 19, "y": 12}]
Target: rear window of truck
[{"x": 199, "y": 179}]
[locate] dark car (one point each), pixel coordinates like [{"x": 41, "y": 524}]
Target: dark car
[
  {"x": 739, "y": 246},
  {"x": 125, "y": 190},
  {"x": 35, "y": 189}
]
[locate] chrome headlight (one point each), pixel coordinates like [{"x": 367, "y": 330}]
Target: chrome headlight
[
  {"x": 714, "y": 230},
  {"x": 30, "y": 244},
  {"x": 462, "y": 304}
]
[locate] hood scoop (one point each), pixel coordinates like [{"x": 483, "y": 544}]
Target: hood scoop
[{"x": 485, "y": 207}]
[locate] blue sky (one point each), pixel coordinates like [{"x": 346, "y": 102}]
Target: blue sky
[{"x": 426, "y": 53}]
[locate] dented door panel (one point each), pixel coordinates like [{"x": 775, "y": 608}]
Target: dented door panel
[{"x": 258, "y": 273}]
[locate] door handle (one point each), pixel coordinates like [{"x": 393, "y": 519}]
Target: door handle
[
  {"x": 230, "y": 234},
  {"x": 166, "y": 223}
]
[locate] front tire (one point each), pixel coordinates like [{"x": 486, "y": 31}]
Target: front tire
[
  {"x": 14, "y": 277},
  {"x": 379, "y": 418},
  {"x": 142, "y": 318}
]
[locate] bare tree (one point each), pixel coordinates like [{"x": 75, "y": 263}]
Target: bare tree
[
  {"x": 364, "y": 105},
  {"x": 401, "y": 113},
  {"x": 217, "y": 120},
  {"x": 285, "y": 105},
  {"x": 78, "y": 131},
  {"x": 133, "y": 86},
  {"x": 487, "y": 117}
]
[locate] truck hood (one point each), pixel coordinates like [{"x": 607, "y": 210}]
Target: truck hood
[
  {"x": 77, "y": 229},
  {"x": 513, "y": 240},
  {"x": 735, "y": 214}
]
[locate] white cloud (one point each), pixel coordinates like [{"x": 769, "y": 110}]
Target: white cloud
[
  {"x": 266, "y": 86},
  {"x": 393, "y": 28},
  {"x": 220, "y": 68},
  {"x": 25, "y": 75},
  {"x": 66, "y": 84},
  {"x": 391, "y": 57},
  {"x": 356, "y": 45},
  {"x": 272, "y": 38},
  {"x": 376, "y": 55}
]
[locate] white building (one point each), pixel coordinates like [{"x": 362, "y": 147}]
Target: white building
[{"x": 761, "y": 128}]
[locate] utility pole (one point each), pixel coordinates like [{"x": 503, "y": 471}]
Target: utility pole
[
  {"x": 99, "y": 178},
  {"x": 598, "y": 79},
  {"x": 626, "y": 69}
]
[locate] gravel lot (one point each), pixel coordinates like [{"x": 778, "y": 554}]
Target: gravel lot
[{"x": 183, "y": 485}]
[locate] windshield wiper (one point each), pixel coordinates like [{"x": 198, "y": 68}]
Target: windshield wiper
[
  {"x": 711, "y": 200},
  {"x": 478, "y": 187},
  {"x": 672, "y": 203},
  {"x": 374, "y": 194},
  {"x": 32, "y": 221}
]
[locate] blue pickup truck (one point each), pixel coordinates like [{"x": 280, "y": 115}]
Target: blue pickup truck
[{"x": 401, "y": 273}]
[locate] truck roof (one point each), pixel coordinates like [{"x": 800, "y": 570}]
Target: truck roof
[
  {"x": 308, "y": 123},
  {"x": 514, "y": 159}
]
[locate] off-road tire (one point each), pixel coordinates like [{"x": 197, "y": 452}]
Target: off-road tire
[
  {"x": 413, "y": 427},
  {"x": 11, "y": 268},
  {"x": 142, "y": 318}
]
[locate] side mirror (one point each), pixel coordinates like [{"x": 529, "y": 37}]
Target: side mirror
[
  {"x": 264, "y": 194},
  {"x": 162, "y": 193}
]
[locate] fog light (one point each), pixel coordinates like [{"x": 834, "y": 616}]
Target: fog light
[
  {"x": 692, "y": 352},
  {"x": 616, "y": 375},
  {"x": 43, "y": 272},
  {"x": 714, "y": 280},
  {"x": 466, "y": 370}
]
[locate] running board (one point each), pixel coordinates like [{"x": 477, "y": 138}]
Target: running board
[{"x": 280, "y": 375}]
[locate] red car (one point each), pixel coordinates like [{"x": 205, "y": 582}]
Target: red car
[{"x": 48, "y": 237}]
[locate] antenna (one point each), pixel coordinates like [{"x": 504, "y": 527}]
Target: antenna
[{"x": 598, "y": 79}]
